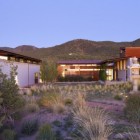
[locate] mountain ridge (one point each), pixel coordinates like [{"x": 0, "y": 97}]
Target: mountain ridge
[{"x": 76, "y": 49}]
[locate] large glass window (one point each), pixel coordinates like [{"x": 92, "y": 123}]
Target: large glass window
[{"x": 109, "y": 73}]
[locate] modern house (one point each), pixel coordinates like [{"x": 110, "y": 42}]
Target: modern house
[
  {"x": 28, "y": 68},
  {"x": 84, "y": 68},
  {"x": 124, "y": 68}
]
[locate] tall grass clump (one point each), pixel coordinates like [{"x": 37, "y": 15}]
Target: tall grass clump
[
  {"x": 54, "y": 102},
  {"x": 93, "y": 122},
  {"x": 9, "y": 134},
  {"x": 29, "y": 126},
  {"x": 108, "y": 91},
  {"x": 46, "y": 133},
  {"x": 31, "y": 104},
  {"x": 132, "y": 109},
  {"x": 132, "y": 134}
]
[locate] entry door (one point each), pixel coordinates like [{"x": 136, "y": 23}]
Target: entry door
[{"x": 36, "y": 78}]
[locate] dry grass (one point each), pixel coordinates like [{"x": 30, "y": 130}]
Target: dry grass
[
  {"x": 31, "y": 104},
  {"x": 92, "y": 121},
  {"x": 134, "y": 134}
]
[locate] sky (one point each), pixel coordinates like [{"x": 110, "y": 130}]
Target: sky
[{"x": 46, "y": 23}]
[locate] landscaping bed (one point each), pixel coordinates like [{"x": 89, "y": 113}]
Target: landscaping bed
[{"x": 64, "y": 112}]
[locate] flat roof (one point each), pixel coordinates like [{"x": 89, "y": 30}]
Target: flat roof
[
  {"x": 12, "y": 54},
  {"x": 79, "y": 61}
]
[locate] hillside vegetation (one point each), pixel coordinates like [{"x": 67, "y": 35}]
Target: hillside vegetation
[{"x": 76, "y": 49}]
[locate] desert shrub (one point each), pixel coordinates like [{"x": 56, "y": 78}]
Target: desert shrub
[
  {"x": 12, "y": 101},
  {"x": 9, "y": 88},
  {"x": 132, "y": 109},
  {"x": 17, "y": 115},
  {"x": 1, "y": 114},
  {"x": 68, "y": 101},
  {"x": 118, "y": 97},
  {"x": 9, "y": 134},
  {"x": 108, "y": 91},
  {"x": 48, "y": 71},
  {"x": 1, "y": 100},
  {"x": 29, "y": 126},
  {"x": 47, "y": 101},
  {"x": 61, "y": 78},
  {"x": 58, "y": 107},
  {"x": 32, "y": 107},
  {"x": 102, "y": 73},
  {"x": 54, "y": 102},
  {"x": 93, "y": 122},
  {"x": 58, "y": 135},
  {"x": 57, "y": 123},
  {"x": 68, "y": 122},
  {"x": 133, "y": 133},
  {"x": 46, "y": 133}
]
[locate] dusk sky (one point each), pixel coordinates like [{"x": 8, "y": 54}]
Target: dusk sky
[{"x": 45, "y": 23}]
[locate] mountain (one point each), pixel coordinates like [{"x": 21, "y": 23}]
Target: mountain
[
  {"x": 76, "y": 49},
  {"x": 24, "y": 48}
]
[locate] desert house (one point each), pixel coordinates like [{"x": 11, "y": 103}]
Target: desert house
[
  {"x": 84, "y": 68},
  {"x": 124, "y": 68},
  {"x": 28, "y": 68}
]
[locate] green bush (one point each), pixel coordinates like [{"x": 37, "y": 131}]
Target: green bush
[
  {"x": 29, "y": 126},
  {"x": 102, "y": 73},
  {"x": 57, "y": 123},
  {"x": 132, "y": 109},
  {"x": 1, "y": 116},
  {"x": 17, "y": 115},
  {"x": 46, "y": 133},
  {"x": 12, "y": 101},
  {"x": 9, "y": 134},
  {"x": 68, "y": 101},
  {"x": 118, "y": 97}
]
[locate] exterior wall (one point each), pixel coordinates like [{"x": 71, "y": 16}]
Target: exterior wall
[
  {"x": 84, "y": 70},
  {"x": 121, "y": 72},
  {"x": 122, "y": 75},
  {"x": 26, "y": 72}
]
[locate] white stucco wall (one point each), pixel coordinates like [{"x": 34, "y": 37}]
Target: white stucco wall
[{"x": 26, "y": 72}]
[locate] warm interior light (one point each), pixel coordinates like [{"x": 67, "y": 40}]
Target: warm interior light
[
  {"x": 63, "y": 65},
  {"x": 3, "y": 57}
]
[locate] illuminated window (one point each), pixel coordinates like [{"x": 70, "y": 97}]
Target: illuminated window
[{"x": 109, "y": 73}]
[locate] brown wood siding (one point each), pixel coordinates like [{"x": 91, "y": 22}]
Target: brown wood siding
[
  {"x": 95, "y": 75},
  {"x": 132, "y": 52}
]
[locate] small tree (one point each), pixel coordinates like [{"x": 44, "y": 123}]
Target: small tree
[
  {"x": 1, "y": 115},
  {"x": 102, "y": 73},
  {"x": 49, "y": 71},
  {"x": 12, "y": 101},
  {"x": 43, "y": 70}
]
